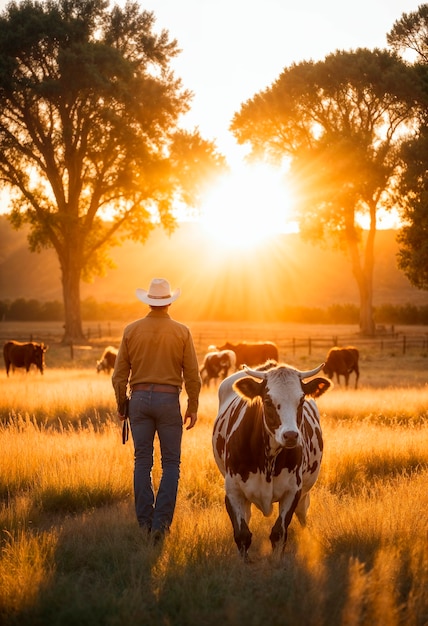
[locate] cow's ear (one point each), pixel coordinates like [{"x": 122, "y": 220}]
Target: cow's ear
[
  {"x": 248, "y": 387},
  {"x": 316, "y": 387}
]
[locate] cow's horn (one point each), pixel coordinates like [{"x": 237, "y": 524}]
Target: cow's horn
[
  {"x": 255, "y": 373},
  {"x": 310, "y": 373}
]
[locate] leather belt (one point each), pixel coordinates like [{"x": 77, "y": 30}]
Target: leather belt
[{"x": 156, "y": 387}]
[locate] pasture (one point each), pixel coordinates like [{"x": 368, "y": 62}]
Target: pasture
[{"x": 70, "y": 548}]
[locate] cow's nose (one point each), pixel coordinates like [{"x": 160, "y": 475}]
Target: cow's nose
[{"x": 290, "y": 438}]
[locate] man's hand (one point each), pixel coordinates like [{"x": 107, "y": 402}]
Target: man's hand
[
  {"x": 121, "y": 417},
  {"x": 192, "y": 417}
]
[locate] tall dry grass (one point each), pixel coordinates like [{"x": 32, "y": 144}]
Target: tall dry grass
[{"x": 71, "y": 552}]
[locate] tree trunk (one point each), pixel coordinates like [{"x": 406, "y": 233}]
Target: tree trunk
[
  {"x": 73, "y": 332},
  {"x": 363, "y": 272},
  {"x": 367, "y": 325}
]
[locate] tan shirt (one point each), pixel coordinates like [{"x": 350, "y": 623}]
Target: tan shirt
[{"x": 157, "y": 349}]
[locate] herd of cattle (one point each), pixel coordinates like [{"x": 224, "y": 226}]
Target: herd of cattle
[
  {"x": 267, "y": 439},
  {"x": 218, "y": 363}
]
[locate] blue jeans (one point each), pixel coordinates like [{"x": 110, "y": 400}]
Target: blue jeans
[{"x": 151, "y": 412}]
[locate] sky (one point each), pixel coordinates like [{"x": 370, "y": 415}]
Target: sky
[{"x": 232, "y": 49}]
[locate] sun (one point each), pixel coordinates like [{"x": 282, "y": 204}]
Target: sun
[{"x": 248, "y": 207}]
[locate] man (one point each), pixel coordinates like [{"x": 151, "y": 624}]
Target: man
[{"x": 155, "y": 357}]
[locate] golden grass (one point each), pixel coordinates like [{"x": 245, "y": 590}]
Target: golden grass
[
  {"x": 59, "y": 396},
  {"x": 70, "y": 550}
]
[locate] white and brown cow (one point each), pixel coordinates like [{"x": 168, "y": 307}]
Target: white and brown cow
[
  {"x": 267, "y": 443},
  {"x": 217, "y": 364},
  {"x": 107, "y": 360}
]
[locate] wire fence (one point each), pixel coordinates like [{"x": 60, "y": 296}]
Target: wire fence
[{"x": 292, "y": 339}]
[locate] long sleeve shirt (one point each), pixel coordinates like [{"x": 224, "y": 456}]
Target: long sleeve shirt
[{"x": 157, "y": 349}]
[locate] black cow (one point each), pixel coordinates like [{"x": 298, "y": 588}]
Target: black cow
[
  {"x": 17, "y": 354},
  {"x": 252, "y": 353},
  {"x": 342, "y": 362}
]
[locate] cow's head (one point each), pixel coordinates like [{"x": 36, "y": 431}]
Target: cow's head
[
  {"x": 39, "y": 355},
  {"x": 282, "y": 391},
  {"x": 101, "y": 365}
]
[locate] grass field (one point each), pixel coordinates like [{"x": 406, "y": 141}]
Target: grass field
[{"x": 70, "y": 548}]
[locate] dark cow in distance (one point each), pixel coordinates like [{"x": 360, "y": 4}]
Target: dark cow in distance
[
  {"x": 342, "y": 362},
  {"x": 18, "y": 354},
  {"x": 256, "y": 353},
  {"x": 107, "y": 360},
  {"x": 217, "y": 365},
  {"x": 267, "y": 443}
]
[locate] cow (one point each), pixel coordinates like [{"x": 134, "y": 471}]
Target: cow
[
  {"x": 217, "y": 364},
  {"x": 252, "y": 353},
  {"x": 267, "y": 443},
  {"x": 18, "y": 354},
  {"x": 107, "y": 360},
  {"x": 342, "y": 362}
]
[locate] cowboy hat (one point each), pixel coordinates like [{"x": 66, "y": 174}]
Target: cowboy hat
[{"x": 159, "y": 293}]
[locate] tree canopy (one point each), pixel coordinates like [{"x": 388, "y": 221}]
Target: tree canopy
[
  {"x": 90, "y": 143},
  {"x": 410, "y": 34},
  {"x": 338, "y": 125}
]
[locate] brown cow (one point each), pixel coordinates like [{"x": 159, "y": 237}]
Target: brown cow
[
  {"x": 107, "y": 360},
  {"x": 252, "y": 353},
  {"x": 18, "y": 354},
  {"x": 342, "y": 362}
]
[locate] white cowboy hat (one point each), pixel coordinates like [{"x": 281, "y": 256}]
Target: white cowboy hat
[{"x": 159, "y": 293}]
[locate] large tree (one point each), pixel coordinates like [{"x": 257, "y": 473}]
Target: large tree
[
  {"x": 338, "y": 124},
  {"x": 409, "y": 36},
  {"x": 91, "y": 148}
]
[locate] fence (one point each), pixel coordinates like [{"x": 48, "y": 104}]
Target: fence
[{"x": 292, "y": 339}]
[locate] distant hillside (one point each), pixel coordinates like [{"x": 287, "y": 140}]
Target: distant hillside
[{"x": 214, "y": 282}]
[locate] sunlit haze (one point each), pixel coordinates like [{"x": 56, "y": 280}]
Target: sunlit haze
[
  {"x": 247, "y": 208},
  {"x": 232, "y": 50}
]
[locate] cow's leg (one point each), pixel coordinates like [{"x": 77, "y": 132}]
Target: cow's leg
[
  {"x": 241, "y": 533},
  {"x": 302, "y": 509},
  {"x": 357, "y": 373},
  {"x": 346, "y": 379},
  {"x": 279, "y": 531},
  {"x": 203, "y": 375}
]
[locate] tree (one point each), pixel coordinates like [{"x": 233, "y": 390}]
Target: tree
[
  {"x": 338, "y": 124},
  {"x": 410, "y": 34},
  {"x": 90, "y": 144}
]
